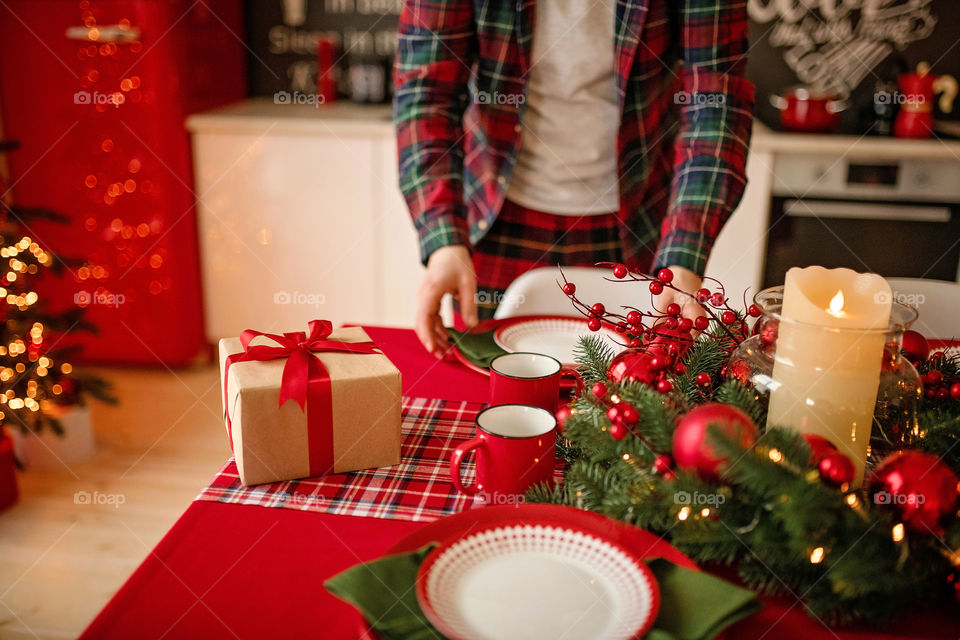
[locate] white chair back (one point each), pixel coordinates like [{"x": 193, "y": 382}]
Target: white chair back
[
  {"x": 937, "y": 301},
  {"x": 538, "y": 292}
]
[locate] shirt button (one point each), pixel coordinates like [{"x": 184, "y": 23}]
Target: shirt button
[
  {"x": 483, "y": 225},
  {"x": 501, "y": 180}
]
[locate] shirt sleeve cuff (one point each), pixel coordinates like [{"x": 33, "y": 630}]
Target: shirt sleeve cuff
[{"x": 440, "y": 232}]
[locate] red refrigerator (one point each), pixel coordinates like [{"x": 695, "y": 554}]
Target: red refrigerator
[{"x": 96, "y": 92}]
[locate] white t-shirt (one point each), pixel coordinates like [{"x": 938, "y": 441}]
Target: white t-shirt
[{"x": 567, "y": 160}]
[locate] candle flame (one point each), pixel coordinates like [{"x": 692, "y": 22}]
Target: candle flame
[{"x": 836, "y": 305}]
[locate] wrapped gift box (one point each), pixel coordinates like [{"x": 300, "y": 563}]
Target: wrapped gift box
[{"x": 273, "y": 442}]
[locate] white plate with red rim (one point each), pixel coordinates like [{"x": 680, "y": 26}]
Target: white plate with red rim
[
  {"x": 533, "y": 582},
  {"x": 555, "y": 336}
]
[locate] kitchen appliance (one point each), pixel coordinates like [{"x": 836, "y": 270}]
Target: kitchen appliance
[
  {"x": 896, "y": 217},
  {"x": 919, "y": 88},
  {"x": 802, "y": 109}
]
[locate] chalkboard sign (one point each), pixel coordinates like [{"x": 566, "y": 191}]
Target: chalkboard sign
[
  {"x": 848, "y": 47},
  {"x": 282, "y": 37}
]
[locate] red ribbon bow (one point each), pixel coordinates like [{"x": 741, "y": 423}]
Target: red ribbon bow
[{"x": 305, "y": 380}]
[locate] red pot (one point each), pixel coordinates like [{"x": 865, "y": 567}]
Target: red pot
[{"x": 804, "y": 110}]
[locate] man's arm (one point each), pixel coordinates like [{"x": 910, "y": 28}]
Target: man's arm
[
  {"x": 711, "y": 146},
  {"x": 437, "y": 44}
]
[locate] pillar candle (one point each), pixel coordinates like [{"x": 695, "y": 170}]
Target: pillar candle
[{"x": 826, "y": 371}]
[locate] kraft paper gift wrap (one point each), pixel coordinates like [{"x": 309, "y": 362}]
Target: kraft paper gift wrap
[{"x": 271, "y": 442}]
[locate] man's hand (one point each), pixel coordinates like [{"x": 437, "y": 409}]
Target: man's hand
[
  {"x": 688, "y": 282},
  {"x": 449, "y": 270}
]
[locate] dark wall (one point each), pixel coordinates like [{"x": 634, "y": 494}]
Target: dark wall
[{"x": 847, "y": 50}]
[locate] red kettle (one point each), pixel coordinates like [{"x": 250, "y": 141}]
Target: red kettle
[{"x": 918, "y": 88}]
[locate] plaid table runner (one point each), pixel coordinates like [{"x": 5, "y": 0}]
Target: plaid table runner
[{"x": 418, "y": 489}]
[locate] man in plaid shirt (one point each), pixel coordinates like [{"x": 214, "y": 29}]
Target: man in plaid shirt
[{"x": 567, "y": 132}]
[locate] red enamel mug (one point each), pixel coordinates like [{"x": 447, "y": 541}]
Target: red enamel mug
[
  {"x": 514, "y": 444},
  {"x": 528, "y": 378}
]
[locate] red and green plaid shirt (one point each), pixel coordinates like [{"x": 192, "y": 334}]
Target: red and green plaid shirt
[{"x": 686, "y": 111}]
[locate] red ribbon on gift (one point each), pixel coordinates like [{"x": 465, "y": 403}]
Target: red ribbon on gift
[{"x": 305, "y": 380}]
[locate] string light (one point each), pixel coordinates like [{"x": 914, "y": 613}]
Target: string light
[
  {"x": 816, "y": 556},
  {"x": 684, "y": 514},
  {"x": 775, "y": 455},
  {"x": 897, "y": 532}
]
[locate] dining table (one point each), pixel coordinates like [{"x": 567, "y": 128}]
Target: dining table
[{"x": 245, "y": 569}]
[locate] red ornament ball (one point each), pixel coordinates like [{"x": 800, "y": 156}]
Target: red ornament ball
[
  {"x": 569, "y": 288},
  {"x": 955, "y": 391},
  {"x": 691, "y": 449},
  {"x": 661, "y": 464},
  {"x": 631, "y": 365},
  {"x": 665, "y": 276},
  {"x": 563, "y": 413},
  {"x": 620, "y": 271},
  {"x": 599, "y": 390},
  {"x": 593, "y": 324},
  {"x": 618, "y": 431},
  {"x": 836, "y": 469},
  {"x": 819, "y": 447},
  {"x": 919, "y": 487},
  {"x": 656, "y": 288},
  {"x": 914, "y": 346}
]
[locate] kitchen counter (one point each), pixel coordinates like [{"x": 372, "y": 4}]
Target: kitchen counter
[
  {"x": 876, "y": 147},
  {"x": 260, "y": 115}
]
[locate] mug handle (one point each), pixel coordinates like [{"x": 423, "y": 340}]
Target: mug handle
[
  {"x": 456, "y": 459},
  {"x": 573, "y": 373}
]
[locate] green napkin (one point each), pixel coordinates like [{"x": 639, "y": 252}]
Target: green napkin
[
  {"x": 478, "y": 348},
  {"x": 693, "y": 605}
]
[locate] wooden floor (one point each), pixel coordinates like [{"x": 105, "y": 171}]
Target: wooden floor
[{"x": 60, "y": 562}]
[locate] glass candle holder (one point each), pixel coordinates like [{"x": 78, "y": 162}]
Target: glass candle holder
[{"x": 828, "y": 397}]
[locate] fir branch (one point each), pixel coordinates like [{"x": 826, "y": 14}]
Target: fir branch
[
  {"x": 742, "y": 397},
  {"x": 594, "y": 356}
]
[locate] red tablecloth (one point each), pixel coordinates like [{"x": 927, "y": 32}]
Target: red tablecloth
[{"x": 234, "y": 571}]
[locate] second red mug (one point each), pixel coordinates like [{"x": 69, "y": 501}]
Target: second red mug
[{"x": 528, "y": 378}]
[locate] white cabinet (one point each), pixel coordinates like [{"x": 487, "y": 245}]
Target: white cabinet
[{"x": 300, "y": 217}]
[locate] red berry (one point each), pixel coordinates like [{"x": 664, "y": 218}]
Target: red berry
[
  {"x": 658, "y": 362},
  {"x": 717, "y": 299},
  {"x": 634, "y": 317},
  {"x": 943, "y": 393},
  {"x": 619, "y": 271},
  {"x": 686, "y": 324},
  {"x": 703, "y": 379},
  {"x": 598, "y": 309},
  {"x": 754, "y": 311},
  {"x": 665, "y": 276},
  {"x": 671, "y": 323},
  {"x": 599, "y": 390},
  {"x": 930, "y": 393},
  {"x": 621, "y": 327},
  {"x": 673, "y": 309},
  {"x": 613, "y": 413},
  {"x": 635, "y": 342},
  {"x": 703, "y": 295},
  {"x": 664, "y": 386},
  {"x": 728, "y": 317},
  {"x": 593, "y": 324},
  {"x": 656, "y": 288},
  {"x": 661, "y": 464},
  {"x": 618, "y": 431},
  {"x": 680, "y": 368},
  {"x": 669, "y": 475},
  {"x": 934, "y": 377},
  {"x": 629, "y": 414},
  {"x": 701, "y": 323},
  {"x": 955, "y": 391},
  {"x": 936, "y": 355},
  {"x": 672, "y": 349},
  {"x": 569, "y": 288}
]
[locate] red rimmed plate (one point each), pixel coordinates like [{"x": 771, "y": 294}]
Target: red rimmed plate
[
  {"x": 555, "y": 336},
  {"x": 536, "y": 582}
]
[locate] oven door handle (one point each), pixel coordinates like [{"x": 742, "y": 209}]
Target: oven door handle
[{"x": 865, "y": 211}]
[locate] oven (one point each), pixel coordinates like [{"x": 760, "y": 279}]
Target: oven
[{"x": 899, "y": 217}]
